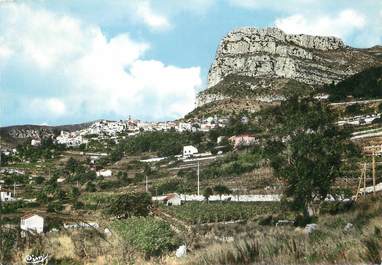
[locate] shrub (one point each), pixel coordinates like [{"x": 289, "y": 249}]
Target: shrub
[
  {"x": 90, "y": 187},
  {"x": 53, "y": 222},
  {"x": 10, "y": 207},
  {"x": 267, "y": 220},
  {"x": 128, "y": 205},
  {"x": 302, "y": 220},
  {"x": 55, "y": 207},
  {"x": 78, "y": 205},
  {"x": 8, "y": 239},
  {"x": 148, "y": 235},
  {"x": 64, "y": 261},
  {"x": 337, "y": 207},
  {"x": 372, "y": 246}
]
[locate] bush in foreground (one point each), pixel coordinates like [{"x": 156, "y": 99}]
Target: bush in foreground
[{"x": 147, "y": 235}]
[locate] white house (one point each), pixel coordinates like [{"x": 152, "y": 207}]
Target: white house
[
  {"x": 172, "y": 199},
  {"x": 6, "y": 196},
  {"x": 242, "y": 140},
  {"x": 35, "y": 142},
  {"x": 32, "y": 223},
  {"x": 189, "y": 150},
  {"x": 104, "y": 173}
]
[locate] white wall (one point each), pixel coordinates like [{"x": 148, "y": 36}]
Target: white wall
[{"x": 240, "y": 198}]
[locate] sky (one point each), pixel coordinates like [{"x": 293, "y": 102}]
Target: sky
[{"x": 72, "y": 61}]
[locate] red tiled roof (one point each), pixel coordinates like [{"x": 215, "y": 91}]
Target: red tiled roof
[{"x": 170, "y": 196}]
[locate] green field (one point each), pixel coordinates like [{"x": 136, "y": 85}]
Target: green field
[{"x": 202, "y": 212}]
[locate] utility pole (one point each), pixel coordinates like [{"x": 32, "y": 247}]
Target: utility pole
[
  {"x": 147, "y": 187},
  {"x": 364, "y": 180},
  {"x": 14, "y": 189},
  {"x": 198, "y": 178},
  {"x": 373, "y": 166}
]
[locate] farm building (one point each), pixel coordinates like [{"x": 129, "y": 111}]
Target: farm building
[
  {"x": 104, "y": 173},
  {"x": 189, "y": 150},
  {"x": 32, "y": 223},
  {"x": 172, "y": 200},
  {"x": 242, "y": 140},
  {"x": 6, "y": 196}
]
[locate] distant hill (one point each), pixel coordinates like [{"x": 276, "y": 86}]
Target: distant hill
[
  {"x": 13, "y": 135},
  {"x": 364, "y": 85}
]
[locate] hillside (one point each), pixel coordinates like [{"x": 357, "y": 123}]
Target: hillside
[{"x": 364, "y": 85}]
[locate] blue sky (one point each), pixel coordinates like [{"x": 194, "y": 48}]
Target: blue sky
[{"x": 73, "y": 61}]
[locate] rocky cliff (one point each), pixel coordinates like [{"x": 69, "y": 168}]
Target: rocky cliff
[{"x": 257, "y": 62}]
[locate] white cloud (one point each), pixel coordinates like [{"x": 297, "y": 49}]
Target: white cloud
[
  {"x": 53, "y": 106},
  {"x": 340, "y": 25},
  {"x": 5, "y": 52},
  {"x": 97, "y": 76},
  {"x": 150, "y": 18},
  {"x": 290, "y": 5}
]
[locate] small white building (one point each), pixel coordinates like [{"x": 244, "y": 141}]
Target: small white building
[
  {"x": 104, "y": 173},
  {"x": 243, "y": 140},
  {"x": 189, "y": 150},
  {"x": 220, "y": 139},
  {"x": 32, "y": 223},
  {"x": 60, "y": 180},
  {"x": 6, "y": 196},
  {"x": 35, "y": 142},
  {"x": 173, "y": 199}
]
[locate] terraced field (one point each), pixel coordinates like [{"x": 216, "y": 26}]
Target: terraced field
[{"x": 202, "y": 212}]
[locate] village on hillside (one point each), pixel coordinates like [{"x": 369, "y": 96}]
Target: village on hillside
[{"x": 131, "y": 134}]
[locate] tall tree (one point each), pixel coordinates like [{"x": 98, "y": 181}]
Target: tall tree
[
  {"x": 306, "y": 148},
  {"x": 207, "y": 193},
  {"x": 221, "y": 189}
]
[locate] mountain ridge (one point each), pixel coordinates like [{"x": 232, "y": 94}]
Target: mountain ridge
[{"x": 271, "y": 58}]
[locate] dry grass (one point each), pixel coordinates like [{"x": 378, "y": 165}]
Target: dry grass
[{"x": 330, "y": 244}]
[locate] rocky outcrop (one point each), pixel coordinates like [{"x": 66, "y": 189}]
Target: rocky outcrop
[
  {"x": 33, "y": 133},
  {"x": 269, "y": 54}
]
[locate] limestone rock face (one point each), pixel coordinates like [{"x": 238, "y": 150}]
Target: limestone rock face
[{"x": 270, "y": 53}]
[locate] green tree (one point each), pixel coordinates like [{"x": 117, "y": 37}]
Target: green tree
[
  {"x": 354, "y": 109},
  {"x": 42, "y": 197},
  {"x": 39, "y": 180},
  {"x": 90, "y": 187},
  {"x": 72, "y": 165},
  {"x": 74, "y": 193},
  {"x": 305, "y": 149},
  {"x": 55, "y": 207},
  {"x": 221, "y": 189},
  {"x": 133, "y": 204},
  {"x": 207, "y": 193}
]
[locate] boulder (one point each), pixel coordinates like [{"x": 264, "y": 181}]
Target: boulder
[
  {"x": 348, "y": 227},
  {"x": 310, "y": 228},
  {"x": 181, "y": 251}
]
